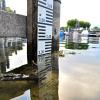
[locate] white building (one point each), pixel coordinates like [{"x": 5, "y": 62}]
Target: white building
[
  {"x": 84, "y": 36},
  {"x": 76, "y": 36}
]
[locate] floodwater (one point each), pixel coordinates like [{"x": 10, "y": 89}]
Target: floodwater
[
  {"x": 79, "y": 73},
  {"x": 74, "y": 76}
]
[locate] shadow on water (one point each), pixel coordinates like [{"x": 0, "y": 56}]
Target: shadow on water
[{"x": 22, "y": 81}]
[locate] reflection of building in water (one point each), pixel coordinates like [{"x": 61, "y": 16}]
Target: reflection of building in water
[
  {"x": 13, "y": 42},
  {"x": 10, "y": 50},
  {"x": 45, "y": 89}
]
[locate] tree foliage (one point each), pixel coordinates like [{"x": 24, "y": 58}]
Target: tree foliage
[
  {"x": 96, "y": 28},
  {"x": 9, "y": 10},
  {"x": 74, "y": 23},
  {"x": 64, "y": 28}
]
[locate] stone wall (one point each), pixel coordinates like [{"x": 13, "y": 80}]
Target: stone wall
[{"x": 12, "y": 25}]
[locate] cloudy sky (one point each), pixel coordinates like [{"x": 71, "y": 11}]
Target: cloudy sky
[
  {"x": 19, "y": 5},
  {"x": 87, "y": 10}
]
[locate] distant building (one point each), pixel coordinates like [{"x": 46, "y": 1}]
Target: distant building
[
  {"x": 84, "y": 36},
  {"x": 85, "y": 33},
  {"x": 2, "y": 5},
  {"x": 75, "y": 36}
]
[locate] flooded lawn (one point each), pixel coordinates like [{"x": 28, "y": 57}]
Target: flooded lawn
[{"x": 74, "y": 76}]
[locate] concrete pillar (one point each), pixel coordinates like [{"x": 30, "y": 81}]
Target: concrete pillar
[
  {"x": 56, "y": 25},
  {"x": 34, "y": 42},
  {"x": 32, "y": 30}
]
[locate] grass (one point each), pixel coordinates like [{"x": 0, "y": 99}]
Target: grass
[{"x": 72, "y": 45}]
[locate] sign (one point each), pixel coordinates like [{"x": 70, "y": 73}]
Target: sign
[{"x": 45, "y": 23}]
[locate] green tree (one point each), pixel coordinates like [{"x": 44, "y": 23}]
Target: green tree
[
  {"x": 64, "y": 28},
  {"x": 73, "y": 23},
  {"x": 96, "y": 28},
  {"x": 87, "y": 25},
  {"x": 84, "y": 24},
  {"x": 9, "y": 10}
]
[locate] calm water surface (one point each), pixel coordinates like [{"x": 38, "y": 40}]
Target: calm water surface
[
  {"x": 79, "y": 74},
  {"x": 72, "y": 77}
]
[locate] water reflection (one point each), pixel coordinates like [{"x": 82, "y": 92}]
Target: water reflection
[
  {"x": 72, "y": 77},
  {"x": 25, "y": 96},
  {"x": 22, "y": 81},
  {"x": 13, "y": 53},
  {"x": 47, "y": 88}
]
